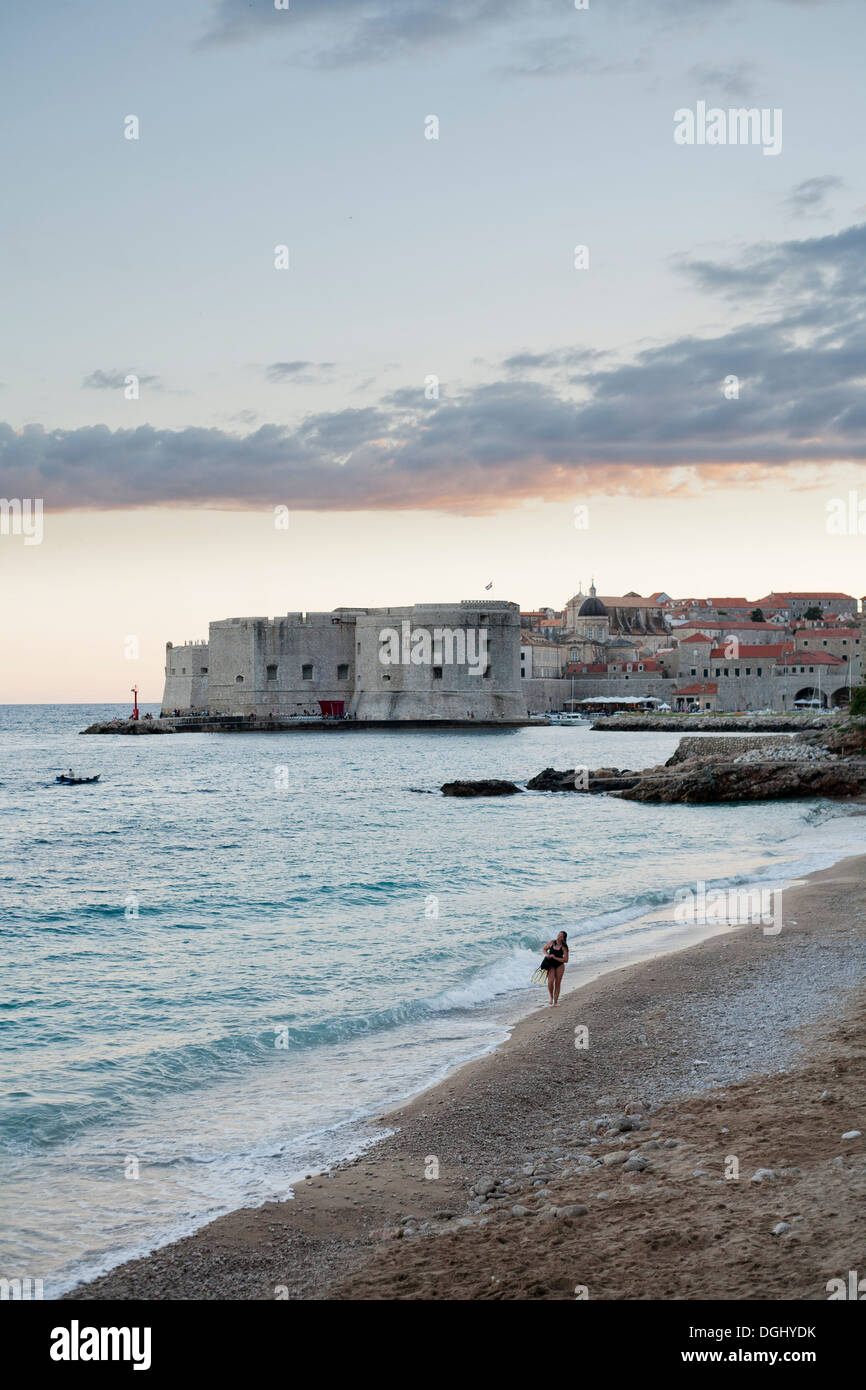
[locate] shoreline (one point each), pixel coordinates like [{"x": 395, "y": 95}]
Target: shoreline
[{"x": 489, "y": 1118}]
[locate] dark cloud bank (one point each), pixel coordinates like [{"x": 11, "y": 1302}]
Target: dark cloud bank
[{"x": 553, "y": 421}]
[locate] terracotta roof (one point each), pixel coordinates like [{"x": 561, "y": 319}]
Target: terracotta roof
[
  {"x": 731, "y": 627},
  {"x": 696, "y": 637},
  {"x": 704, "y": 688},
  {"x": 810, "y": 659},
  {"x": 793, "y": 593},
  {"x": 769, "y": 650}
]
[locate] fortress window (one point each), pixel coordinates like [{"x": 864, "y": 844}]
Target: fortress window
[
  {"x": 172, "y": 670},
  {"x": 342, "y": 673},
  {"x": 437, "y": 673},
  {"x": 239, "y": 680},
  {"x": 759, "y": 670},
  {"x": 306, "y": 673},
  {"x": 748, "y": 670},
  {"x": 183, "y": 670},
  {"x": 204, "y": 670},
  {"x": 736, "y": 670},
  {"x": 271, "y": 673}
]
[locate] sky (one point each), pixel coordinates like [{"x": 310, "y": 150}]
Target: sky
[{"x": 385, "y": 301}]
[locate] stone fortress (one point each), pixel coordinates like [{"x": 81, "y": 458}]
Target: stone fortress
[
  {"x": 452, "y": 663},
  {"x": 483, "y": 661}
]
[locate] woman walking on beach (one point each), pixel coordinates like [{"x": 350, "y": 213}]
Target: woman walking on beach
[{"x": 555, "y": 961}]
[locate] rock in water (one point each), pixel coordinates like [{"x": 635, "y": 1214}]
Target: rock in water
[{"x": 489, "y": 787}]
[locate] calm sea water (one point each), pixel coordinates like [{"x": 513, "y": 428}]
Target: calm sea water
[{"x": 224, "y": 959}]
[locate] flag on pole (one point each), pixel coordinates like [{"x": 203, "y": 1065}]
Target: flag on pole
[{"x": 489, "y": 586}]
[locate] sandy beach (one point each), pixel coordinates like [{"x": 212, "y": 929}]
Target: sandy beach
[{"x": 693, "y": 1149}]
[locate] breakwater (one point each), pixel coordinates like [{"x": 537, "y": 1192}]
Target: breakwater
[{"x": 717, "y": 723}]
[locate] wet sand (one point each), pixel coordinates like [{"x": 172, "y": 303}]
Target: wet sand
[{"x": 746, "y": 1052}]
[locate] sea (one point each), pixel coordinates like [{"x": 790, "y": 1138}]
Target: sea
[{"x": 224, "y": 961}]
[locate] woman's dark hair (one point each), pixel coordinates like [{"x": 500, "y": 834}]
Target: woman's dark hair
[{"x": 564, "y": 935}]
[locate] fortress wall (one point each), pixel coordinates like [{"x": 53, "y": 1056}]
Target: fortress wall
[
  {"x": 417, "y": 686},
  {"x": 286, "y": 664},
  {"x": 743, "y": 693},
  {"x": 186, "y": 677}
]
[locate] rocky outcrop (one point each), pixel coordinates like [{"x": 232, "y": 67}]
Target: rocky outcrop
[
  {"x": 581, "y": 779},
  {"x": 488, "y": 787},
  {"x": 760, "y": 781},
  {"x": 130, "y": 726},
  {"x": 830, "y": 763}
]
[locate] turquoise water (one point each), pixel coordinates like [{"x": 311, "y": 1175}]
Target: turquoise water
[{"x": 224, "y": 959}]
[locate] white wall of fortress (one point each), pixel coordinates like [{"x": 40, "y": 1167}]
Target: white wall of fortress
[
  {"x": 186, "y": 677},
  {"x": 448, "y": 689},
  {"x": 286, "y": 665},
  {"x": 259, "y": 664}
]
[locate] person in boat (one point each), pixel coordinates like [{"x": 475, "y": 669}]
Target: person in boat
[{"x": 554, "y": 963}]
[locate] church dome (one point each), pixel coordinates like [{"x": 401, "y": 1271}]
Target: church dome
[{"x": 592, "y": 607}]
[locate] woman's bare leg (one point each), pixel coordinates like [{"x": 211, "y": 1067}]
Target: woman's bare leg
[
  {"x": 560, "y": 971},
  {"x": 550, "y": 982}
]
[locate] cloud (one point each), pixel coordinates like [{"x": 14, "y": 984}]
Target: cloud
[
  {"x": 558, "y": 55},
  {"x": 734, "y": 80},
  {"x": 337, "y": 34},
  {"x": 115, "y": 380},
  {"x": 800, "y": 357},
  {"x": 819, "y": 279},
  {"x": 808, "y": 198},
  {"x": 561, "y": 357},
  {"x": 362, "y": 31},
  {"x": 297, "y": 371}
]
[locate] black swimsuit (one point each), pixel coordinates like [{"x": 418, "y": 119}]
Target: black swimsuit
[{"x": 549, "y": 962}]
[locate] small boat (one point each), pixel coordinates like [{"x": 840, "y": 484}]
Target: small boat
[{"x": 70, "y": 781}]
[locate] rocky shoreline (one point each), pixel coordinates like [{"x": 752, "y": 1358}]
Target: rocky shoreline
[{"x": 829, "y": 763}]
